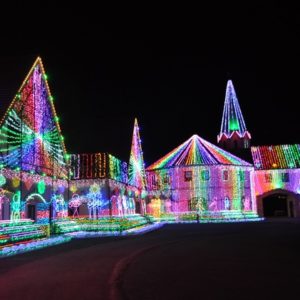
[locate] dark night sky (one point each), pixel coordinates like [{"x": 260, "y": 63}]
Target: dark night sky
[{"x": 169, "y": 71}]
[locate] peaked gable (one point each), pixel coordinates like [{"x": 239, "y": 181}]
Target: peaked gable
[
  {"x": 197, "y": 151},
  {"x": 30, "y": 135}
]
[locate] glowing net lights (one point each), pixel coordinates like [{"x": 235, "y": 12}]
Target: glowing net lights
[
  {"x": 276, "y": 168},
  {"x": 276, "y": 157},
  {"x": 30, "y": 136},
  {"x": 232, "y": 120},
  {"x": 197, "y": 151},
  {"x": 136, "y": 168},
  {"x": 2, "y": 180},
  {"x": 199, "y": 176},
  {"x": 98, "y": 165}
]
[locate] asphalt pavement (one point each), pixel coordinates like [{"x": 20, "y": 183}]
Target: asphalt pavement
[{"x": 180, "y": 261}]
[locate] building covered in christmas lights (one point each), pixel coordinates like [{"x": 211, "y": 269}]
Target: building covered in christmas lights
[
  {"x": 277, "y": 180},
  {"x": 198, "y": 176},
  {"x": 102, "y": 184},
  {"x": 41, "y": 182},
  {"x": 33, "y": 158},
  {"x": 99, "y": 186}
]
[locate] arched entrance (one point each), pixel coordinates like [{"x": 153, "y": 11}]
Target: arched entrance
[
  {"x": 31, "y": 208},
  {"x": 279, "y": 203},
  {"x": 4, "y": 209},
  {"x": 5, "y": 204}
]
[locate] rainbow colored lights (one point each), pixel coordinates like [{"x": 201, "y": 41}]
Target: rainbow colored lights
[
  {"x": 97, "y": 194},
  {"x": 276, "y": 157},
  {"x": 98, "y": 165},
  {"x": 276, "y": 170},
  {"x": 232, "y": 120},
  {"x": 136, "y": 170},
  {"x": 197, "y": 151},
  {"x": 199, "y": 176},
  {"x": 30, "y": 136}
]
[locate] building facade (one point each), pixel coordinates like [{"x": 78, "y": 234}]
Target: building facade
[
  {"x": 40, "y": 181},
  {"x": 198, "y": 176}
]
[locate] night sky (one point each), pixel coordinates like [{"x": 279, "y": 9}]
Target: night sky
[{"x": 169, "y": 71}]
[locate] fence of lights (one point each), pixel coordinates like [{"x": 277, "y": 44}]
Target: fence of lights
[
  {"x": 113, "y": 225},
  {"x": 14, "y": 249}
]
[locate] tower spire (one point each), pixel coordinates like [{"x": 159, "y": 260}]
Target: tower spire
[
  {"x": 136, "y": 170},
  {"x": 233, "y": 134}
]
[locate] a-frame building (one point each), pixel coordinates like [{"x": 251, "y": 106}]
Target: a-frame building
[{"x": 33, "y": 157}]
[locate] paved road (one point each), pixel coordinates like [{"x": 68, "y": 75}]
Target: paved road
[{"x": 192, "y": 261}]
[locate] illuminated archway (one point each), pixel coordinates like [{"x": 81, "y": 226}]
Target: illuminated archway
[
  {"x": 33, "y": 197},
  {"x": 278, "y": 203},
  {"x": 4, "y": 204},
  {"x": 33, "y": 210}
]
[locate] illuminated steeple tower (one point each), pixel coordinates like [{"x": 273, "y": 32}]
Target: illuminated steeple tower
[{"x": 233, "y": 135}]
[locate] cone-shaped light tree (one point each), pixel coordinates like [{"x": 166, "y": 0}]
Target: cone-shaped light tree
[
  {"x": 136, "y": 170},
  {"x": 233, "y": 132}
]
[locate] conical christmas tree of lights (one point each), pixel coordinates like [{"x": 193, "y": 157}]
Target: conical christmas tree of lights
[
  {"x": 136, "y": 170},
  {"x": 30, "y": 135},
  {"x": 232, "y": 119}
]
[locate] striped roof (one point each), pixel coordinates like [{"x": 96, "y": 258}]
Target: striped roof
[
  {"x": 197, "y": 151},
  {"x": 276, "y": 157}
]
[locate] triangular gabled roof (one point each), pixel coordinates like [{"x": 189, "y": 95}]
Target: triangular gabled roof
[
  {"x": 136, "y": 168},
  {"x": 232, "y": 119},
  {"x": 197, "y": 151},
  {"x": 30, "y": 134}
]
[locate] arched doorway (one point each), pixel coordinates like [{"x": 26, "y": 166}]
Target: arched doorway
[
  {"x": 5, "y": 197},
  {"x": 32, "y": 203},
  {"x": 4, "y": 209},
  {"x": 275, "y": 205},
  {"x": 279, "y": 203}
]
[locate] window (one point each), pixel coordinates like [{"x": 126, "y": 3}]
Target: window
[
  {"x": 242, "y": 175},
  {"x": 285, "y": 177},
  {"x": 188, "y": 175},
  {"x": 154, "y": 182},
  {"x": 268, "y": 177},
  {"x": 166, "y": 179},
  {"x": 204, "y": 175},
  {"x": 225, "y": 175},
  {"x": 226, "y": 203}
]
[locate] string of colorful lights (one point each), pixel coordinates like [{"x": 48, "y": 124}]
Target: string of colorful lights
[
  {"x": 136, "y": 170},
  {"x": 30, "y": 136},
  {"x": 232, "y": 119}
]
